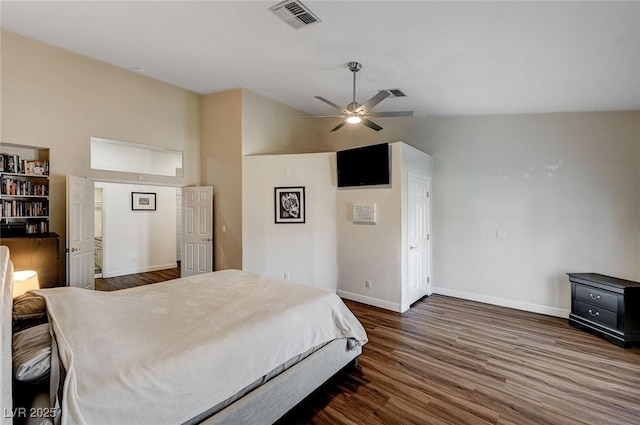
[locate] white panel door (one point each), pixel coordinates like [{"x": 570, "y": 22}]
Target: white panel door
[
  {"x": 418, "y": 238},
  {"x": 80, "y": 240},
  {"x": 197, "y": 230}
]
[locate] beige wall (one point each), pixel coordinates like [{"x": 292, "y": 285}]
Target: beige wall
[
  {"x": 56, "y": 99},
  {"x": 272, "y": 127},
  {"x": 221, "y": 132}
]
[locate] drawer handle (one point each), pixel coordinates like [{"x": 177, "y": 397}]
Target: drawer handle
[
  {"x": 594, "y": 297},
  {"x": 596, "y": 314}
]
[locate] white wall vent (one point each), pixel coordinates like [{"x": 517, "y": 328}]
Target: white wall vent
[{"x": 295, "y": 14}]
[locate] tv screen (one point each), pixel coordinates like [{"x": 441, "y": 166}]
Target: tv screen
[{"x": 365, "y": 166}]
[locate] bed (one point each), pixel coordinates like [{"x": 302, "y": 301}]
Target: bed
[{"x": 221, "y": 348}]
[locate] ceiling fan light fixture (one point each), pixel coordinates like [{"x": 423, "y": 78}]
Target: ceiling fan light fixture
[{"x": 354, "y": 120}]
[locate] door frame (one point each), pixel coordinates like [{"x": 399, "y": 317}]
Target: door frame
[
  {"x": 96, "y": 185},
  {"x": 99, "y": 183}
]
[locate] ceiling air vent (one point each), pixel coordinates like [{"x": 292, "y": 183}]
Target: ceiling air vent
[
  {"x": 295, "y": 14},
  {"x": 396, "y": 93}
]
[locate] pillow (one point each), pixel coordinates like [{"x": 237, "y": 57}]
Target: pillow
[
  {"x": 32, "y": 354},
  {"x": 29, "y": 306}
]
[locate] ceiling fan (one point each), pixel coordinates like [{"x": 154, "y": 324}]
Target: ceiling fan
[{"x": 356, "y": 113}]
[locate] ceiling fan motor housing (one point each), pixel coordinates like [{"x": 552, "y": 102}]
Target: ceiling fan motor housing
[
  {"x": 355, "y": 66},
  {"x": 353, "y": 106}
]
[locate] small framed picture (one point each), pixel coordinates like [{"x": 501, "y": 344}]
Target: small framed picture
[
  {"x": 289, "y": 204},
  {"x": 143, "y": 201}
]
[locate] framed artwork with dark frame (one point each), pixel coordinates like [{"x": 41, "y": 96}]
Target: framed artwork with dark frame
[
  {"x": 289, "y": 204},
  {"x": 143, "y": 201}
]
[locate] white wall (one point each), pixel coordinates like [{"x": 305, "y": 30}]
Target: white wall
[
  {"x": 372, "y": 251},
  {"x": 329, "y": 250},
  {"x": 379, "y": 252},
  {"x": 116, "y": 155},
  {"x": 306, "y": 251},
  {"x": 149, "y": 237},
  {"x": 563, "y": 188}
]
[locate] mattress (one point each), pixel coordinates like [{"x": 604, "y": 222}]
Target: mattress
[
  {"x": 41, "y": 398},
  {"x": 6, "y": 288},
  {"x": 166, "y": 353}
]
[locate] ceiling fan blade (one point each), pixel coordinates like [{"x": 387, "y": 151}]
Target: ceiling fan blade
[
  {"x": 369, "y": 104},
  {"x": 338, "y": 127},
  {"x": 391, "y": 114},
  {"x": 322, "y": 116},
  {"x": 371, "y": 124},
  {"x": 328, "y": 102}
]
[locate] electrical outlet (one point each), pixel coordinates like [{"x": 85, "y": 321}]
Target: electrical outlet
[
  {"x": 134, "y": 259},
  {"x": 369, "y": 284},
  {"x": 286, "y": 276}
]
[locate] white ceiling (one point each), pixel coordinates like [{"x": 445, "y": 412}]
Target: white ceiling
[{"x": 450, "y": 58}]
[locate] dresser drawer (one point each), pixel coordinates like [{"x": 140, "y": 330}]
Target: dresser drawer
[
  {"x": 597, "y": 297},
  {"x": 596, "y": 314}
]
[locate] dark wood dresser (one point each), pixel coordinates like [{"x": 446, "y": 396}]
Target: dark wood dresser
[{"x": 607, "y": 306}]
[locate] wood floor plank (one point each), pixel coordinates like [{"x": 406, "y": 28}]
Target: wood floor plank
[
  {"x": 455, "y": 362},
  {"x": 137, "y": 279}
]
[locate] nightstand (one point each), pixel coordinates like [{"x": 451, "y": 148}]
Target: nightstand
[{"x": 607, "y": 306}]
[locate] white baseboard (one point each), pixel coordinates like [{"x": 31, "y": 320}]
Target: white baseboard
[
  {"x": 376, "y": 302},
  {"x": 404, "y": 307},
  {"x": 139, "y": 270},
  {"x": 504, "y": 302}
]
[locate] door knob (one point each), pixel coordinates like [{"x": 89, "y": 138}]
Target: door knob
[{"x": 413, "y": 247}]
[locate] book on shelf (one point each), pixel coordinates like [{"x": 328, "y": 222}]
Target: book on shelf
[
  {"x": 40, "y": 227},
  {"x": 14, "y": 164},
  {"x": 10, "y": 164},
  {"x": 15, "y": 187},
  {"x": 26, "y": 209}
]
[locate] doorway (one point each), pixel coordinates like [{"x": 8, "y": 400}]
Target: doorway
[{"x": 130, "y": 237}]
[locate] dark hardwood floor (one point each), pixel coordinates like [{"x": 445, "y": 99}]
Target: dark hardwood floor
[
  {"x": 138, "y": 279},
  {"x": 451, "y": 361}
]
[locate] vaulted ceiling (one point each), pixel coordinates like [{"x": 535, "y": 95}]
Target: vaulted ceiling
[{"x": 450, "y": 58}]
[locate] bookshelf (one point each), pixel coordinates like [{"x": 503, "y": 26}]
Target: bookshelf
[
  {"x": 24, "y": 191},
  {"x": 24, "y": 211}
]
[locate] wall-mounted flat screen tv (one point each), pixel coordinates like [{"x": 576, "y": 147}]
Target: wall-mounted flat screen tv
[{"x": 365, "y": 166}]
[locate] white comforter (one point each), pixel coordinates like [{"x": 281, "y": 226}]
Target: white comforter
[{"x": 163, "y": 353}]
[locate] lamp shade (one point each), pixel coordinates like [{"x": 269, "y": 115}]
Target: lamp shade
[{"x": 23, "y": 281}]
